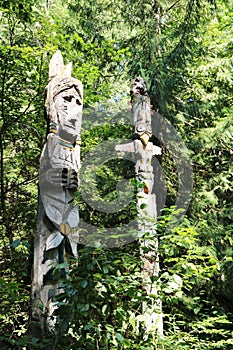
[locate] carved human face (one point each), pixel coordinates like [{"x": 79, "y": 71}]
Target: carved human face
[{"x": 68, "y": 106}]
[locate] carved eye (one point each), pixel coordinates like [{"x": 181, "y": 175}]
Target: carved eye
[{"x": 68, "y": 98}]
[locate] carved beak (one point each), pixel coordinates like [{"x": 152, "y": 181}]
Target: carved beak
[{"x": 144, "y": 138}]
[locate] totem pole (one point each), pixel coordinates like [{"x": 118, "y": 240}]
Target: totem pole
[
  {"x": 56, "y": 234},
  {"x": 144, "y": 150}
]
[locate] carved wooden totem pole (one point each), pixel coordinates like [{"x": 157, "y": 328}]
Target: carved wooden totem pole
[
  {"x": 144, "y": 150},
  {"x": 146, "y": 202},
  {"x": 56, "y": 234}
]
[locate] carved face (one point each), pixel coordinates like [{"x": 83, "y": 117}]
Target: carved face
[{"x": 68, "y": 106}]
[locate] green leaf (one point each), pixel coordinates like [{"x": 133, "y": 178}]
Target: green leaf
[
  {"x": 84, "y": 283},
  {"x": 119, "y": 337},
  {"x": 87, "y": 327},
  {"x": 16, "y": 243}
]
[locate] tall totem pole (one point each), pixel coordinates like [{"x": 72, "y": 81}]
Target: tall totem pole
[
  {"x": 56, "y": 234},
  {"x": 144, "y": 151}
]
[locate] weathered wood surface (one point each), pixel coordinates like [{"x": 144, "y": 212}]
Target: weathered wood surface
[
  {"x": 144, "y": 150},
  {"x": 57, "y": 221}
]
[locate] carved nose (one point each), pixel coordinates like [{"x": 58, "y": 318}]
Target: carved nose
[{"x": 73, "y": 121}]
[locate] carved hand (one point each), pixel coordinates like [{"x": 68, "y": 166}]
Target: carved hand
[
  {"x": 64, "y": 177},
  {"x": 69, "y": 179}
]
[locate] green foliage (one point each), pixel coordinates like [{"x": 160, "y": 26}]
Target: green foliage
[
  {"x": 159, "y": 36},
  {"x": 108, "y": 284},
  {"x": 102, "y": 304}
]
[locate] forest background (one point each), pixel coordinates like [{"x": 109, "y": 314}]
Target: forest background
[{"x": 183, "y": 49}]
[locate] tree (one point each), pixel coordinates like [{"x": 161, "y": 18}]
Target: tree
[
  {"x": 206, "y": 120},
  {"x": 21, "y": 137}
]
